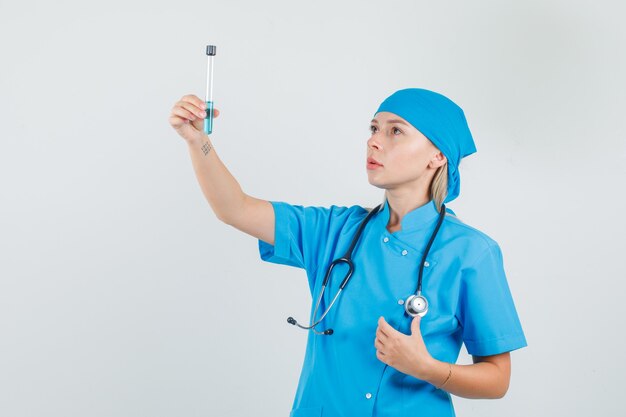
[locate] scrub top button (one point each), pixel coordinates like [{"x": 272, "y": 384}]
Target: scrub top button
[
  {"x": 426, "y": 264},
  {"x": 386, "y": 239},
  {"x": 404, "y": 252},
  {"x": 368, "y": 395},
  {"x": 401, "y": 301}
]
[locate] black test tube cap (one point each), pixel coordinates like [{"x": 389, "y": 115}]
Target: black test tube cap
[{"x": 210, "y": 49}]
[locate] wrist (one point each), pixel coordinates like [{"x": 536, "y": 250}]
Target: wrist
[
  {"x": 437, "y": 372},
  {"x": 197, "y": 140}
]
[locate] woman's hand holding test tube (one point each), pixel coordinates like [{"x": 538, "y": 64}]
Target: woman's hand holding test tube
[{"x": 187, "y": 118}]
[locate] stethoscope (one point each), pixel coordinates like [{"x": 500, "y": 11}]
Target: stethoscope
[{"x": 415, "y": 304}]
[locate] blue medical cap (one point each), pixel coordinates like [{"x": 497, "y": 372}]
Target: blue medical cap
[{"x": 441, "y": 121}]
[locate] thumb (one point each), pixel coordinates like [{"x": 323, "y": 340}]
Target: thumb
[
  {"x": 199, "y": 123},
  {"x": 415, "y": 326}
]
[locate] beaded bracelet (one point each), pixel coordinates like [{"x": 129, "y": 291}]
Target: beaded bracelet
[{"x": 448, "y": 378}]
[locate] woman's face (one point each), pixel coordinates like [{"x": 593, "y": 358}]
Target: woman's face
[{"x": 406, "y": 156}]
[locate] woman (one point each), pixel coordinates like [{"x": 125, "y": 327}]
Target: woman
[{"x": 389, "y": 353}]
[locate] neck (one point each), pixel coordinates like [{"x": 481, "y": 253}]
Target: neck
[{"x": 402, "y": 202}]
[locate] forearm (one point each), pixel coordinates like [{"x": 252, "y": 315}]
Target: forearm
[
  {"x": 478, "y": 380},
  {"x": 219, "y": 187}
]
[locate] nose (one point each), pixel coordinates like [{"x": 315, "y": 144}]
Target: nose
[{"x": 373, "y": 143}]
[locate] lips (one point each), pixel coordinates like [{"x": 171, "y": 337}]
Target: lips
[{"x": 371, "y": 160}]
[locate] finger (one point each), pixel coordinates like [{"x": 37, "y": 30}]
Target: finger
[
  {"x": 382, "y": 336},
  {"x": 198, "y": 112},
  {"x": 378, "y": 344},
  {"x": 380, "y": 356},
  {"x": 216, "y": 112},
  {"x": 183, "y": 113},
  {"x": 197, "y": 101},
  {"x": 386, "y": 327},
  {"x": 176, "y": 121},
  {"x": 381, "y": 332},
  {"x": 415, "y": 325},
  {"x": 198, "y": 108}
]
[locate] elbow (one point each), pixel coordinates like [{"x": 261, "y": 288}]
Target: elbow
[
  {"x": 228, "y": 221},
  {"x": 499, "y": 371},
  {"x": 232, "y": 215},
  {"x": 226, "y": 216},
  {"x": 500, "y": 394},
  {"x": 501, "y": 390},
  {"x": 223, "y": 219}
]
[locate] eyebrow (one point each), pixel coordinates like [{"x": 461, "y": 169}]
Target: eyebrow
[{"x": 391, "y": 121}]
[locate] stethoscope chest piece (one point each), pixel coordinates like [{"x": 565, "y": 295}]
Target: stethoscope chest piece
[{"x": 416, "y": 305}]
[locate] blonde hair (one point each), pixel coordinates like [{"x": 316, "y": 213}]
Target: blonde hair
[{"x": 439, "y": 185}]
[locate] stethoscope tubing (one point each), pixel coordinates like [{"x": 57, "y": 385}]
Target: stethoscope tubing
[{"x": 347, "y": 258}]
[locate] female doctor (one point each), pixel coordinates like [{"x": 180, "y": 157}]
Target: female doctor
[{"x": 385, "y": 331}]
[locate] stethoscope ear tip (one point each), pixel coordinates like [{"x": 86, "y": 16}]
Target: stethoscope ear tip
[{"x": 291, "y": 320}]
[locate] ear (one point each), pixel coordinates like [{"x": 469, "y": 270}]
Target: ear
[{"x": 437, "y": 160}]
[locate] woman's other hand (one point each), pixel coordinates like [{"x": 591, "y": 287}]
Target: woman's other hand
[{"x": 406, "y": 353}]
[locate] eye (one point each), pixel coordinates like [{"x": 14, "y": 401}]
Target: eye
[
  {"x": 372, "y": 127},
  {"x": 395, "y": 128}
]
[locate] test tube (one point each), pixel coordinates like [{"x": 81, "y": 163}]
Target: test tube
[{"x": 208, "y": 120}]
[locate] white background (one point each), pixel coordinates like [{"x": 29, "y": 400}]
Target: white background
[{"x": 121, "y": 294}]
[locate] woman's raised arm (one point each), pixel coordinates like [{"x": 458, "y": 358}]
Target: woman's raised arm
[{"x": 224, "y": 194}]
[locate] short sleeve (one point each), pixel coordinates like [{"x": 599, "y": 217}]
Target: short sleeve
[
  {"x": 486, "y": 308},
  {"x": 302, "y": 234}
]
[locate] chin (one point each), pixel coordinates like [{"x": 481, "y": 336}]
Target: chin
[{"x": 376, "y": 184}]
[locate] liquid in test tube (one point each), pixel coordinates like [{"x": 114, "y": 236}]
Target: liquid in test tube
[{"x": 208, "y": 120}]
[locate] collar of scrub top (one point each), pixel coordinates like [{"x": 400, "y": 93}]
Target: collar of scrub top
[
  {"x": 416, "y": 304},
  {"x": 416, "y": 219}
]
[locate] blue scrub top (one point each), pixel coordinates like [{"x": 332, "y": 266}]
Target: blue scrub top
[{"x": 465, "y": 284}]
